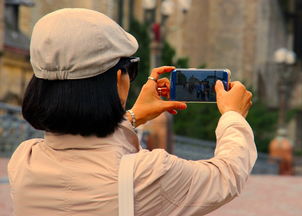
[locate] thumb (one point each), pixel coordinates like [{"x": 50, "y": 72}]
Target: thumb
[
  {"x": 219, "y": 87},
  {"x": 171, "y": 105}
]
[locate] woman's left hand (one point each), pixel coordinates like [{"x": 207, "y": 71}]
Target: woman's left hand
[{"x": 149, "y": 104}]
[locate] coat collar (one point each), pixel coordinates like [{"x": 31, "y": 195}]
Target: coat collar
[{"x": 124, "y": 137}]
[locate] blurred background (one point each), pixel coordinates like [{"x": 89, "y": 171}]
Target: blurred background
[{"x": 260, "y": 41}]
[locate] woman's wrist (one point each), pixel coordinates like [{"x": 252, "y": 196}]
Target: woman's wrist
[
  {"x": 131, "y": 118},
  {"x": 134, "y": 118}
]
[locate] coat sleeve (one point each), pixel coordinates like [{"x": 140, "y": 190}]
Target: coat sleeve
[{"x": 199, "y": 187}]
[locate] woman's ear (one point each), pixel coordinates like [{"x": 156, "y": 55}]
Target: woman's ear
[
  {"x": 123, "y": 85},
  {"x": 119, "y": 77}
]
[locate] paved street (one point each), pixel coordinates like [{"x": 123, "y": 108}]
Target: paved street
[
  {"x": 263, "y": 196},
  {"x": 266, "y": 195},
  {"x": 5, "y": 202}
]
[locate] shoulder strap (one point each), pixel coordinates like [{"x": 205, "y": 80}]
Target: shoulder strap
[{"x": 125, "y": 186}]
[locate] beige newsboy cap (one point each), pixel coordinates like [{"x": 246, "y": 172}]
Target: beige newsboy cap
[{"x": 76, "y": 43}]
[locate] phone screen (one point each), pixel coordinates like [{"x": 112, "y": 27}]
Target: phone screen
[{"x": 196, "y": 85}]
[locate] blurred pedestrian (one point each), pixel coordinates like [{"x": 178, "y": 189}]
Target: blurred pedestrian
[
  {"x": 281, "y": 148},
  {"x": 83, "y": 66}
]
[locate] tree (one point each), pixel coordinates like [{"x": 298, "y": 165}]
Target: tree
[
  {"x": 264, "y": 124},
  {"x": 140, "y": 32},
  {"x": 168, "y": 57}
]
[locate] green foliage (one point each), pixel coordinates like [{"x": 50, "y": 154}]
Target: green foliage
[
  {"x": 198, "y": 121},
  {"x": 182, "y": 63},
  {"x": 263, "y": 122},
  {"x": 168, "y": 57},
  {"x": 168, "y": 54},
  {"x": 298, "y": 153},
  {"x": 140, "y": 32}
]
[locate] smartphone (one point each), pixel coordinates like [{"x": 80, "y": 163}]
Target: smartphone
[{"x": 197, "y": 85}]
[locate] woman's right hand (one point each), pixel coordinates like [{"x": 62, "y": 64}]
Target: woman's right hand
[
  {"x": 149, "y": 104},
  {"x": 237, "y": 99}
]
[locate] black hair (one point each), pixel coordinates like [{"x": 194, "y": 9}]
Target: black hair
[{"x": 86, "y": 107}]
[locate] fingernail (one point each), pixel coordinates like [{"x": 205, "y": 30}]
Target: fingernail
[{"x": 184, "y": 106}]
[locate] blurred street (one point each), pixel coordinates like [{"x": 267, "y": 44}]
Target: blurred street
[
  {"x": 5, "y": 201},
  {"x": 266, "y": 195}
]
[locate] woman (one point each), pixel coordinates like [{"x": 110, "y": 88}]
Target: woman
[{"x": 82, "y": 73}]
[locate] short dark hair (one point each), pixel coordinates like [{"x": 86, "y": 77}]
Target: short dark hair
[{"x": 86, "y": 107}]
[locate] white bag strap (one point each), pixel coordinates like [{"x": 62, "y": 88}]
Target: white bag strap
[{"x": 125, "y": 186}]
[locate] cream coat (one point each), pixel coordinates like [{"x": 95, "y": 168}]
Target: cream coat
[{"x": 73, "y": 175}]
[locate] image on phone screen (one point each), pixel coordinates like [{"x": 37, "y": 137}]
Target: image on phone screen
[{"x": 196, "y": 85}]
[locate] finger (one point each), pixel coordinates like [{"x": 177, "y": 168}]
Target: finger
[
  {"x": 163, "y": 82},
  {"x": 168, "y": 85},
  {"x": 170, "y": 105},
  {"x": 165, "y": 94},
  {"x": 160, "y": 70},
  {"x": 173, "y": 112},
  {"x": 237, "y": 84},
  {"x": 248, "y": 106},
  {"x": 219, "y": 87},
  {"x": 232, "y": 84},
  {"x": 249, "y": 95},
  {"x": 164, "y": 91}
]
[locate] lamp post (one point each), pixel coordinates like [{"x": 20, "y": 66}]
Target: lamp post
[
  {"x": 285, "y": 59},
  {"x": 158, "y": 33},
  {"x": 280, "y": 146},
  {"x": 149, "y": 7},
  {"x": 160, "y": 129}
]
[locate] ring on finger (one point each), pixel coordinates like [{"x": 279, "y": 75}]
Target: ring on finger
[
  {"x": 152, "y": 78},
  {"x": 159, "y": 91}
]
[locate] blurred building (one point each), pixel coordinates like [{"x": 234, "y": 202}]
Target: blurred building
[
  {"x": 241, "y": 35},
  {"x": 1, "y": 30},
  {"x": 17, "y": 18},
  {"x": 29, "y": 16},
  {"x": 14, "y": 64}
]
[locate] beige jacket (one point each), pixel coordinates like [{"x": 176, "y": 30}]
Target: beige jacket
[{"x": 73, "y": 175}]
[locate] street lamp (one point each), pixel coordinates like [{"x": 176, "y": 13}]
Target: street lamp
[
  {"x": 149, "y": 7},
  {"x": 160, "y": 132},
  {"x": 185, "y": 5},
  {"x": 149, "y": 4},
  {"x": 280, "y": 146},
  {"x": 285, "y": 59},
  {"x": 157, "y": 30},
  {"x": 284, "y": 56},
  {"x": 167, "y": 8}
]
